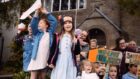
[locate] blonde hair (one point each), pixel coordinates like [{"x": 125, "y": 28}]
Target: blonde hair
[{"x": 84, "y": 62}]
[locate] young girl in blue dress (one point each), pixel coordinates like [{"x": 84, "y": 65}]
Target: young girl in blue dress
[{"x": 68, "y": 48}]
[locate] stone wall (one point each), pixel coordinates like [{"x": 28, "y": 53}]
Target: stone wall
[
  {"x": 110, "y": 8},
  {"x": 131, "y": 24}
]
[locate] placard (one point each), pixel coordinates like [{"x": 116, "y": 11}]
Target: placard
[
  {"x": 132, "y": 58},
  {"x": 102, "y": 56},
  {"x": 109, "y": 56},
  {"x": 114, "y": 57},
  {"x": 93, "y": 55}
]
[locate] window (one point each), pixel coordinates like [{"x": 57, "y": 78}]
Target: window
[{"x": 60, "y": 5}]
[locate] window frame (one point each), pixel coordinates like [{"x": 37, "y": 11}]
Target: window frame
[{"x": 69, "y": 3}]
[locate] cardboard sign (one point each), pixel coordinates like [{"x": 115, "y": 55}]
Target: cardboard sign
[
  {"x": 109, "y": 56},
  {"x": 102, "y": 56},
  {"x": 114, "y": 57},
  {"x": 35, "y": 6},
  {"x": 132, "y": 58},
  {"x": 93, "y": 55}
]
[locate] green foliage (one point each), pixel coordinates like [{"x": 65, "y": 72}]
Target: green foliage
[
  {"x": 14, "y": 63},
  {"x": 21, "y": 75},
  {"x": 130, "y": 6},
  {"x": 10, "y": 11},
  {"x": 25, "y": 4}
]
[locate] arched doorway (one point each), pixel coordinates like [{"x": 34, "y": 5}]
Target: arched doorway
[{"x": 98, "y": 34}]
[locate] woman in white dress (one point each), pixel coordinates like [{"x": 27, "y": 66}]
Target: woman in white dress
[
  {"x": 43, "y": 29},
  {"x": 65, "y": 67}
]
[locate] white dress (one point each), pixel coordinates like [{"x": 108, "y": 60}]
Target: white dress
[
  {"x": 65, "y": 67},
  {"x": 89, "y": 75},
  {"x": 42, "y": 55}
]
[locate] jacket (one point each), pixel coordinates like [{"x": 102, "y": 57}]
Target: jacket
[
  {"x": 38, "y": 34},
  {"x": 54, "y": 51}
]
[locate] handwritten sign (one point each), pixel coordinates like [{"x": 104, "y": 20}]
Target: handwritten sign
[
  {"x": 109, "y": 56},
  {"x": 132, "y": 58},
  {"x": 114, "y": 57},
  {"x": 102, "y": 56}
]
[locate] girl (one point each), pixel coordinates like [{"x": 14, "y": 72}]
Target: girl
[
  {"x": 88, "y": 71},
  {"x": 67, "y": 50},
  {"x": 112, "y": 72},
  {"x": 43, "y": 29},
  {"x": 27, "y": 48}
]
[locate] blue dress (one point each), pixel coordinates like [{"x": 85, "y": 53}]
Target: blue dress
[
  {"x": 27, "y": 48},
  {"x": 65, "y": 67}
]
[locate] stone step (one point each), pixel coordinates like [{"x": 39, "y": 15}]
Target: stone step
[{"x": 6, "y": 76}]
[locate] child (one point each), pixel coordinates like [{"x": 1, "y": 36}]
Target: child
[
  {"x": 112, "y": 72},
  {"x": 43, "y": 29},
  {"x": 65, "y": 67},
  {"x": 88, "y": 70},
  {"x": 27, "y": 48},
  {"x": 132, "y": 74}
]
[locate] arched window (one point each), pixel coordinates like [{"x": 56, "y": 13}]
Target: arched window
[{"x": 98, "y": 34}]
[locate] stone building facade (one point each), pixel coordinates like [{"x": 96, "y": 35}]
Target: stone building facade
[
  {"x": 91, "y": 20},
  {"x": 105, "y": 21}
]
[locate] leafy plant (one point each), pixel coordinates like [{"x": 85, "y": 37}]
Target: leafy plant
[
  {"x": 8, "y": 8},
  {"x": 21, "y": 75}
]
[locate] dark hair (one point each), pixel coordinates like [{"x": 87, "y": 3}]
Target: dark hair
[
  {"x": 116, "y": 68},
  {"x": 118, "y": 42},
  {"x": 43, "y": 17},
  {"x": 62, "y": 24},
  {"x": 87, "y": 39},
  {"x": 132, "y": 65}
]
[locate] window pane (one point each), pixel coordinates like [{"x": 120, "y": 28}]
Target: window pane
[
  {"x": 64, "y": 5},
  {"x": 81, "y": 4},
  {"x": 73, "y": 4},
  {"x": 56, "y": 5},
  {"x": 48, "y": 5}
]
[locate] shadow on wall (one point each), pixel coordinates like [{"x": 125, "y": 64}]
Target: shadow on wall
[{"x": 1, "y": 45}]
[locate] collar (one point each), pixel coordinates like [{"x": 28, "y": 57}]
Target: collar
[{"x": 132, "y": 75}]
